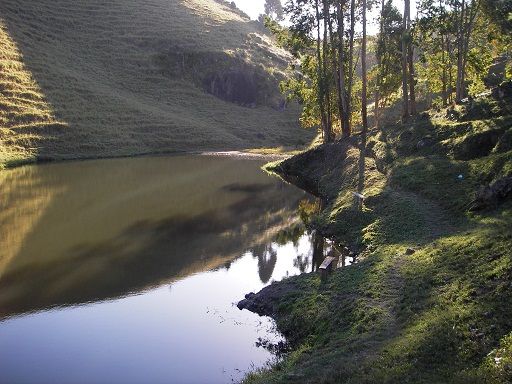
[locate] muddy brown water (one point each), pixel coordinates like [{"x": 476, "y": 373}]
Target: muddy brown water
[{"x": 127, "y": 270}]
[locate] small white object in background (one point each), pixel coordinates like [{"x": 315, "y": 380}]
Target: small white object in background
[
  {"x": 460, "y": 177},
  {"x": 359, "y": 196}
]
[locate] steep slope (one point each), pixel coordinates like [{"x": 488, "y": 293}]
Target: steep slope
[{"x": 130, "y": 77}]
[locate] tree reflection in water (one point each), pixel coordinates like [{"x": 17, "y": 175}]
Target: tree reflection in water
[
  {"x": 319, "y": 246},
  {"x": 267, "y": 258}
]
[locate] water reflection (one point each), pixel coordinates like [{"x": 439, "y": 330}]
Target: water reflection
[
  {"x": 116, "y": 227},
  {"x": 90, "y": 249},
  {"x": 267, "y": 258}
]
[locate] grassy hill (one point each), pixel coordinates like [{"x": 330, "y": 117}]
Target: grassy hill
[{"x": 95, "y": 78}]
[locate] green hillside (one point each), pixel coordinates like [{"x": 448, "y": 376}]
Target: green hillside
[
  {"x": 95, "y": 78},
  {"x": 430, "y": 298}
]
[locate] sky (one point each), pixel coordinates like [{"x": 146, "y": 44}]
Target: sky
[{"x": 255, "y": 7}]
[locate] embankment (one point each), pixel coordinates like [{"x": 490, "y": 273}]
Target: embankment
[{"x": 430, "y": 299}]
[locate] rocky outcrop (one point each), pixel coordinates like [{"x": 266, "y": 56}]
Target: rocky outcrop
[
  {"x": 266, "y": 301},
  {"x": 234, "y": 86},
  {"x": 478, "y": 145},
  {"x": 493, "y": 194}
]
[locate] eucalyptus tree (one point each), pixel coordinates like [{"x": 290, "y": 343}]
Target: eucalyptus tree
[
  {"x": 459, "y": 41},
  {"x": 388, "y": 54},
  {"x": 364, "y": 112},
  {"x": 408, "y": 78},
  {"x": 274, "y": 9}
]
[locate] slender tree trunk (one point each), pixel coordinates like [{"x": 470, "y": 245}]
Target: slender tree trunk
[
  {"x": 405, "y": 92},
  {"x": 450, "y": 71},
  {"x": 410, "y": 59},
  {"x": 336, "y": 70},
  {"x": 444, "y": 78},
  {"x": 364, "y": 114},
  {"x": 471, "y": 14},
  {"x": 345, "y": 127},
  {"x": 412, "y": 81},
  {"x": 378, "y": 81},
  {"x": 351, "y": 60},
  {"x": 327, "y": 85},
  {"x": 321, "y": 80},
  {"x": 460, "y": 47}
]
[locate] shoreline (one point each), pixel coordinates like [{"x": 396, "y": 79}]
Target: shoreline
[{"x": 250, "y": 154}]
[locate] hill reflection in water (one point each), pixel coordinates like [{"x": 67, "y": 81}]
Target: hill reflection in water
[
  {"x": 127, "y": 270},
  {"x": 112, "y": 228}
]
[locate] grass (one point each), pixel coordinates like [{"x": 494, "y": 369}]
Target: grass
[
  {"x": 117, "y": 78},
  {"x": 438, "y": 315}
]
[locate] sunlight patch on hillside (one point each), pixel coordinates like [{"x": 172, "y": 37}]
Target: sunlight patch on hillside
[
  {"x": 24, "y": 110},
  {"x": 212, "y": 10}
]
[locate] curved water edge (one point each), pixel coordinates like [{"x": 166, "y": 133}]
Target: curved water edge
[
  {"x": 129, "y": 269},
  {"x": 254, "y": 154}
]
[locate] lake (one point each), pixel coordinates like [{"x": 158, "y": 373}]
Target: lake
[{"x": 129, "y": 270}]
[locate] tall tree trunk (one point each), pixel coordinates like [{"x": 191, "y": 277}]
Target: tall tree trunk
[
  {"x": 327, "y": 84},
  {"x": 364, "y": 116},
  {"x": 460, "y": 47},
  {"x": 345, "y": 115},
  {"x": 444, "y": 78},
  {"x": 471, "y": 14},
  {"x": 378, "y": 81},
  {"x": 410, "y": 59},
  {"x": 351, "y": 59},
  {"x": 412, "y": 82},
  {"x": 321, "y": 80},
  {"x": 450, "y": 71},
  {"x": 336, "y": 70},
  {"x": 405, "y": 92}
]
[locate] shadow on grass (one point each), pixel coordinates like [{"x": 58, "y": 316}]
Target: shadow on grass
[{"x": 429, "y": 315}]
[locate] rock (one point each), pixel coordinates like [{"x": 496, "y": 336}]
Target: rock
[
  {"x": 236, "y": 86},
  {"x": 505, "y": 143},
  {"x": 503, "y": 90},
  {"x": 264, "y": 303},
  {"x": 410, "y": 251},
  {"x": 478, "y": 145},
  {"x": 493, "y": 194},
  {"x": 427, "y": 141}
]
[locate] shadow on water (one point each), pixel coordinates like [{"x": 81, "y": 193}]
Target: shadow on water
[{"x": 172, "y": 223}]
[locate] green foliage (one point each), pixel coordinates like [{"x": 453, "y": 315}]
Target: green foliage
[
  {"x": 387, "y": 73},
  {"x": 500, "y": 11},
  {"x": 274, "y": 9}
]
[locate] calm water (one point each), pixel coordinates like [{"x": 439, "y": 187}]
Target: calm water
[{"x": 127, "y": 271}]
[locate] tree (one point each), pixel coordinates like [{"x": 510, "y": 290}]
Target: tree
[
  {"x": 344, "y": 111},
  {"x": 410, "y": 61},
  {"x": 405, "y": 91},
  {"x": 453, "y": 33},
  {"x": 364, "y": 114},
  {"x": 436, "y": 29},
  {"x": 388, "y": 54},
  {"x": 274, "y": 9},
  {"x": 500, "y": 12}
]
